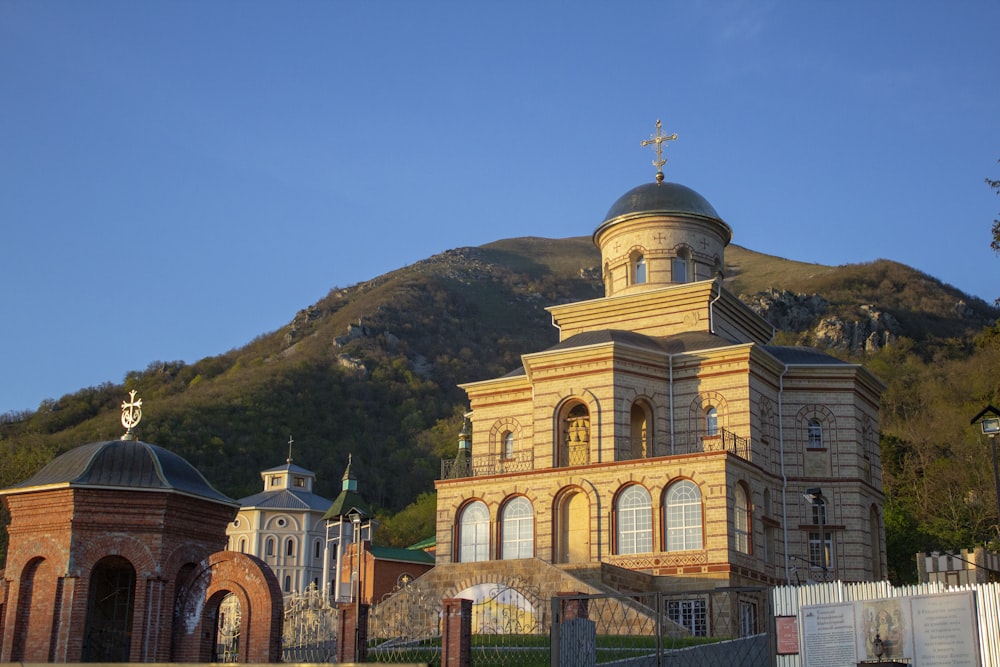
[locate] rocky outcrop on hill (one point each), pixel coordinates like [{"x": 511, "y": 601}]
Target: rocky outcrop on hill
[{"x": 804, "y": 314}]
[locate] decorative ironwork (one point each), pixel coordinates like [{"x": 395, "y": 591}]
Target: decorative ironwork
[
  {"x": 658, "y": 139},
  {"x": 227, "y": 635},
  {"x": 405, "y": 626},
  {"x": 486, "y": 464},
  {"x": 576, "y": 454},
  {"x": 310, "y": 627},
  {"x": 131, "y": 414}
]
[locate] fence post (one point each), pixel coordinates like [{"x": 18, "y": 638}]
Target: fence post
[
  {"x": 456, "y": 632},
  {"x": 352, "y": 633}
]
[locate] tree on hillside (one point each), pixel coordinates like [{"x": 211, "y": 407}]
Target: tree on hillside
[{"x": 995, "y": 244}]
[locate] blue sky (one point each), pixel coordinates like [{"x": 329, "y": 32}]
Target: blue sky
[{"x": 177, "y": 178}]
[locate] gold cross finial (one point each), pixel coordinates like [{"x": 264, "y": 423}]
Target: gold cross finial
[
  {"x": 131, "y": 414},
  {"x": 658, "y": 139}
]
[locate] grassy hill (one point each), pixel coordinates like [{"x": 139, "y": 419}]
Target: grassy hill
[{"x": 372, "y": 369}]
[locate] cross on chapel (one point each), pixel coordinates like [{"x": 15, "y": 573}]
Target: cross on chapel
[{"x": 658, "y": 139}]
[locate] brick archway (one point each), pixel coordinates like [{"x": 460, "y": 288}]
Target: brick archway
[{"x": 259, "y": 594}]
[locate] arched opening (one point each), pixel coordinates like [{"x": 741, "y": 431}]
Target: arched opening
[
  {"x": 228, "y": 623},
  {"x": 31, "y": 628},
  {"x": 574, "y": 441},
  {"x": 572, "y": 528},
  {"x": 108, "y": 633},
  {"x": 640, "y": 435}
]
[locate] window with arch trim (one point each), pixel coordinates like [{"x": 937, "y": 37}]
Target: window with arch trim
[
  {"x": 711, "y": 421},
  {"x": 741, "y": 519},
  {"x": 290, "y": 548},
  {"x": 640, "y": 270},
  {"x": 474, "y": 533},
  {"x": 270, "y": 546},
  {"x": 680, "y": 266},
  {"x": 683, "y": 516},
  {"x": 814, "y": 434},
  {"x": 508, "y": 445},
  {"x": 517, "y": 528},
  {"x": 634, "y": 514}
]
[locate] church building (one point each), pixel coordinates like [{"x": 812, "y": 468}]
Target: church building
[
  {"x": 283, "y": 526},
  {"x": 665, "y": 438}
]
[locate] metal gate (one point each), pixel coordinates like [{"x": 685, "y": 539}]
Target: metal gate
[{"x": 695, "y": 628}]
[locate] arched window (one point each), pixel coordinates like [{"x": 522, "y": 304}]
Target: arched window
[
  {"x": 815, "y": 434},
  {"x": 680, "y": 266},
  {"x": 508, "y": 445},
  {"x": 640, "y": 270},
  {"x": 288, "y": 583},
  {"x": 474, "y": 533},
  {"x": 741, "y": 520},
  {"x": 683, "y": 517},
  {"x": 243, "y": 545},
  {"x": 575, "y": 445},
  {"x": 634, "y": 513},
  {"x": 711, "y": 421},
  {"x": 270, "y": 546},
  {"x": 290, "y": 548},
  {"x": 318, "y": 551},
  {"x": 517, "y": 526}
]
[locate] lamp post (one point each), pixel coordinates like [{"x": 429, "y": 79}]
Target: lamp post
[
  {"x": 989, "y": 421},
  {"x": 816, "y": 499}
]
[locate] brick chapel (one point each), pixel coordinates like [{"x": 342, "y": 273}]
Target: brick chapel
[
  {"x": 116, "y": 555},
  {"x": 665, "y": 441}
]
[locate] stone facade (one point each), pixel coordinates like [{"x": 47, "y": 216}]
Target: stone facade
[
  {"x": 665, "y": 435},
  {"x": 113, "y": 556}
]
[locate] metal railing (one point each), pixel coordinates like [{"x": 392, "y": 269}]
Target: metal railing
[
  {"x": 487, "y": 464},
  {"x": 579, "y": 454}
]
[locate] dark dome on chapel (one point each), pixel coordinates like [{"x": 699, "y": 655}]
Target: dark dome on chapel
[
  {"x": 661, "y": 198},
  {"x": 123, "y": 464}
]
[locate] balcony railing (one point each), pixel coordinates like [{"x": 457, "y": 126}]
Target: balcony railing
[
  {"x": 524, "y": 461},
  {"x": 487, "y": 464}
]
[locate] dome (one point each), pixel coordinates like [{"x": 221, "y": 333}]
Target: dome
[
  {"x": 123, "y": 464},
  {"x": 661, "y": 198}
]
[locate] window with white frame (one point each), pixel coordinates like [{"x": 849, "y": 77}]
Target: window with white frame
[
  {"x": 474, "y": 533},
  {"x": 640, "y": 270},
  {"x": 508, "y": 445},
  {"x": 635, "y": 521},
  {"x": 690, "y": 614},
  {"x": 517, "y": 527},
  {"x": 683, "y": 516},
  {"x": 815, "y": 434},
  {"x": 711, "y": 421}
]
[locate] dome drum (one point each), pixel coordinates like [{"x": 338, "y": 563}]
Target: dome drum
[{"x": 660, "y": 234}]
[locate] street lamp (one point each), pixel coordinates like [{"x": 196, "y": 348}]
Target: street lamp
[
  {"x": 816, "y": 499},
  {"x": 355, "y": 518},
  {"x": 989, "y": 421}
]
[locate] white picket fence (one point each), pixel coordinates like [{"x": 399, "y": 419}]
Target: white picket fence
[{"x": 787, "y": 600}]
